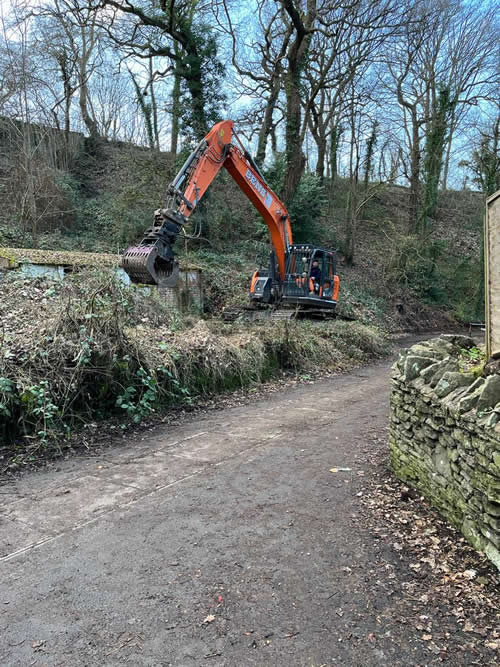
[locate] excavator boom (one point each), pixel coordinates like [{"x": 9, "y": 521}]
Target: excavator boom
[{"x": 153, "y": 261}]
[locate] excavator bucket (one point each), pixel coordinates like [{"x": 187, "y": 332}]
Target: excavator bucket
[{"x": 143, "y": 265}]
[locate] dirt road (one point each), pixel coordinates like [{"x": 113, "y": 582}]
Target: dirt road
[{"x": 224, "y": 541}]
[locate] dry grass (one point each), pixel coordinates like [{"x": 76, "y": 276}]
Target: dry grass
[{"x": 89, "y": 348}]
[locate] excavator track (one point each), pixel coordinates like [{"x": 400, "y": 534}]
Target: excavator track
[{"x": 248, "y": 313}]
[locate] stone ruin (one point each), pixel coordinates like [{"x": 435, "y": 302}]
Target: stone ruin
[{"x": 186, "y": 296}]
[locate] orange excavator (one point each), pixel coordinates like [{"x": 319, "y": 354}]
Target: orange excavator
[{"x": 301, "y": 277}]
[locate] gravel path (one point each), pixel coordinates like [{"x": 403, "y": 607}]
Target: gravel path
[{"x": 227, "y": 540}]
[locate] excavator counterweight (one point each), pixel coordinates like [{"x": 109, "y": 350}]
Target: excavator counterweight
[{"x": 298, "y": 276}]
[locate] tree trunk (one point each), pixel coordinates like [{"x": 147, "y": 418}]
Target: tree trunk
[
  {"x": 295, "y": 158},
  {"x": 267, "y": 123},
  {"x": 370, "y": 149},
  {"x": 446, "y": 167},
  {"x": 68, "y": 92},
  {"x": 296, "y": 55},
  {"x": 414, "y": 174},
  {"x": 176, "y": 109},
  {"x": 146, "y": 112},
  {"x": 90, "y": 123},
  {"x": 351, "y": 224},
  {"x": 317, "y": 126},
  {"x": 434, "y": 150},
  {"x": 334, "y": 147},
  {"x": 274, "y": 141},
  {"x": 154, "y": 107},
  {"x": 320, "y": 164},
  {"x": 86, "y": 50},
  {"x": 67, "y": 125}
]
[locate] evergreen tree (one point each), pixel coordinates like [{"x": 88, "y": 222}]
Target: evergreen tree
[{"x": 434, "y": 152}]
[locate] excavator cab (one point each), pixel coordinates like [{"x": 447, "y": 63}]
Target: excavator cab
[
  {"x": 311, "y": 281},
  {"x": 311, "y": 284}
]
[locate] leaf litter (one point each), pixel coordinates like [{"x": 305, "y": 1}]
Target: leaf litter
[{"x": 452, "y": 590}]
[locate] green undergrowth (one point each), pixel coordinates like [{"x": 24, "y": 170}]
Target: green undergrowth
[
  {"x": 226, "y": 277},
  {"x": 89, "y": 349},
  {"x": 473, "y": 360}
]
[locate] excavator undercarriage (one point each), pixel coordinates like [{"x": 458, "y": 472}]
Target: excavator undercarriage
[{"x": 300, "y": 280}]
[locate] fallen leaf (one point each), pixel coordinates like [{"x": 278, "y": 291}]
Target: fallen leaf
[
  {"x": 38, "y": 645},
  {"x": 435, "y": 649}
]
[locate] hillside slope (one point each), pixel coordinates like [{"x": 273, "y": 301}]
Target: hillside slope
[{"x": 110, "y": 190}]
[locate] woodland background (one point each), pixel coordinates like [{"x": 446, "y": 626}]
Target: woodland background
[{"x": 377, "y": 121}]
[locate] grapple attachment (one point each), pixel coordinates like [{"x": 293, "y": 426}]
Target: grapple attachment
[{"x": 143, "y": 264}]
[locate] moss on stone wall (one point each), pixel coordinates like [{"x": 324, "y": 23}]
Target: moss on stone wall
[
  {"x": 445, "y": 437},
  {"x": 98, "y": 260}
]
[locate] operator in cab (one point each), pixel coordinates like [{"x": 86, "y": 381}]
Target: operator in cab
[{"x": 315, "y": 275}]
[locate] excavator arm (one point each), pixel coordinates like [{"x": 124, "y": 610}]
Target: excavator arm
[{"x": 153, "y": 261}]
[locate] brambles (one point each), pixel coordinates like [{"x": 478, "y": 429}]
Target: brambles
[
  {"x": 6, "y": 393},
  {"x": 91, "y": 348},
  {"x": 139, "y": 403}
]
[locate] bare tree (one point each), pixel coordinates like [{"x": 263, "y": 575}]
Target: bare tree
[
  {"x": 70, "y": 34},
  {"x": 351, "y": 30},
  {"x": 448, "y": 46},
  {"x": 153, "y": 29},
  {"x": 259, "y": 63}
]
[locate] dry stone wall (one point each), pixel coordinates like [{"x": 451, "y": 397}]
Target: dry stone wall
[{"x": 445, "y": 437}]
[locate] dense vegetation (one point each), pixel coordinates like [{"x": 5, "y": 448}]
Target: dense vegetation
[
  {"x": 93, "y": 349},
  {"x": 110, "y": 190}
]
